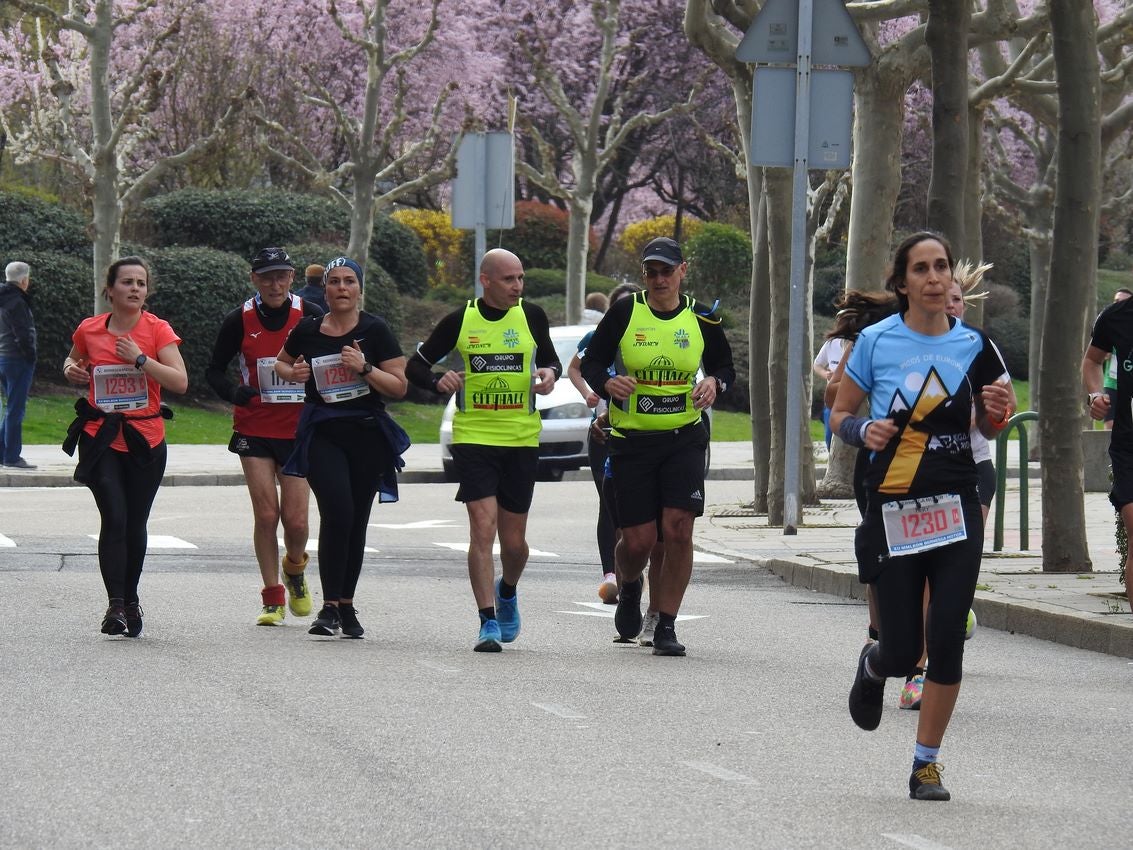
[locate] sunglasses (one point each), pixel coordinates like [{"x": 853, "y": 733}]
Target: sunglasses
[{"x": 667, "y": 271}]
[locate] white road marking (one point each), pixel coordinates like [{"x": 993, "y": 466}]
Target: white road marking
[
  {"x": 563, "y": 711},
  {"x": 721, "y": 773},
  {"x": 440, "y": 668},
  {"x": 913, "y": 840},
  {"x": 463, "y": 547},
  {"x": 601, "y": 609},
  {"x": 424, "y": 523},
  {"x": 7, "y": 542},
  {"x": 161, "y": 541},
  {"x": 315, "y": 543},
  {"x": 709, "y": 558}
]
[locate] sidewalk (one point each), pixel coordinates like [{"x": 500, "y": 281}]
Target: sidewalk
[{"x": 1081, "y": 610}]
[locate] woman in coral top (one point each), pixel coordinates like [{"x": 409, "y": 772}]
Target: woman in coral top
[{"x": 125, "y": 358}]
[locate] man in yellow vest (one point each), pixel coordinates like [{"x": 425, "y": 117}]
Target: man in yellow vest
[
  {"x": 508, "y": 357},
  {"x": 657, "y": 341}
]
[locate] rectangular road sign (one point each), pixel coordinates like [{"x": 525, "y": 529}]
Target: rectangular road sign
[
  {"x": 773, "y": 118},
  {"x": 483, "y": 193}
]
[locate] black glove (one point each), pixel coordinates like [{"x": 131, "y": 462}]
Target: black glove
[{"x": 243, "y": 394}]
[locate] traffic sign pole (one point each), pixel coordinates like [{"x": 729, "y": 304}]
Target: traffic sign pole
[{"x": 797, "y": 314}]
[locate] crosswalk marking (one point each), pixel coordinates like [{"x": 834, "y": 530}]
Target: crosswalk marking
[
  {"x": 7, "y": 542},
  {"x": 463, "y": 547}
]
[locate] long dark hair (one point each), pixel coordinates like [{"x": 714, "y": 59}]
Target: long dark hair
[
  {"x": 858, "y": 310},
  {"x": 901, "y": 263}
]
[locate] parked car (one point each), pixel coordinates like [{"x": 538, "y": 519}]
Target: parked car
[{"x": 566, "y": 418}]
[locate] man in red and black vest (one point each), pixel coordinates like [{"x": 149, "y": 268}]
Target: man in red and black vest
[{"x": 265, "y": 413}]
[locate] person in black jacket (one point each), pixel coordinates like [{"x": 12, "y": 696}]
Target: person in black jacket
[{"x": 17, "y": 361}]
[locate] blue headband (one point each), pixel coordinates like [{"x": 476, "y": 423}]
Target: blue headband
[{"x": 339, "y": 262}]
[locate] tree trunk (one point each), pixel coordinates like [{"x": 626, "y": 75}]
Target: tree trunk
[
  {"x": 578, "y": 247},
  {"x": 1073, "y": 259},
  {"x": 361, "y": 215},
  {"x": 778, "y": 187},
  {"x": 973, "y": 246},
  {"x": 946, "y": 35},
  {"x": 1038, "y": 249},
  {"x": 106, "y": 207},
  {"x": 879, "y": 110}
]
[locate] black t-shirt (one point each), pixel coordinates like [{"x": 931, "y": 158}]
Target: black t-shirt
[
  {"x": 373, "y": 336},
  {"x": 1113, "y": 332}
]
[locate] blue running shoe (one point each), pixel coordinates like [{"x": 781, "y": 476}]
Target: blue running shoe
[
  {"x": 489, "y": 640},
  {"x": 507, "y": 613}
]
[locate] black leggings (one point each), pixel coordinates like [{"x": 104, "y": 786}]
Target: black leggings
[
  {"x": 605, "y": 531},
  {"x": 346, "y": 460},
  {"x": 124, "y": 490},
  {"x": 952, "y": 572}
]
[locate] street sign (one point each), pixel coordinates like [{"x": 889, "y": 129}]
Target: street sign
[
  {"x": 483, "y": 193},
  {"x": 773, "y": 36},
  {"x": 773, "y": 118}
]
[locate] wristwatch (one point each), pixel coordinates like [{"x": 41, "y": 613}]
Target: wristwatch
[
  {"x": 1090, "y": 398},
  {"x": 367, "y": 369},
  {"x": 720, "y": 385},
  {"x": 140, "y": 362}
]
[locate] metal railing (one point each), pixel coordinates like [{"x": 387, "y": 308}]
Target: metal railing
[{"x": 1015, "y": 422}]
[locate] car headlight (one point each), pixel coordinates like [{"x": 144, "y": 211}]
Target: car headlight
[{"x": 566, "y": 411}]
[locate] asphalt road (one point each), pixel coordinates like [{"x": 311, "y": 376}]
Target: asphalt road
[{"x": 211, "y": 731}]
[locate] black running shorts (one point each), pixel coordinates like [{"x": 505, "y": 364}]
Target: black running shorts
[
  {"x": 245, "y": 446},
  {"x": 1121, "y": 462},
  {"x": 655, "y": 471},
  {"x": 506, "y": 472}
]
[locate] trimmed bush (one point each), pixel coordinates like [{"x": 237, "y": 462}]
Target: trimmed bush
[
  {"x": 544, "y": 283},
  {"x": 396, "y": 247},
  {"x": 719, "y": 263},
  {"x": 441, "y": 243},
  {"x": 382, "y": 299},
  {"x": 30, "y": 222},
  {"x": 194, "y": 288},
  {"x": 637, "y": 235},
  {"x": 1012, "y": 335},
  {"x": 829, "y": 283},
  {"x": 539, "y": 237},
  {"x": 61, "y": 296},
  {"x": 242, "y": 222}
]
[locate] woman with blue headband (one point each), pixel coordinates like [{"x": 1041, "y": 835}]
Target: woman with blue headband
[{"x": 346, "y": 444}]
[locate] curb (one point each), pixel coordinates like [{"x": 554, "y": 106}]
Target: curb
[{"x": 1093, "y": 632}]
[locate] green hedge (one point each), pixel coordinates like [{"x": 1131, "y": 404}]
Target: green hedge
[
  {"x": 242, "y": 222},
  {"x": 719, "y": 263},
  {"x": 1012, "y": 335},
  {"x": 194, "y": 288},
  {"x": 543, "y": 283},
  {"x": 397, "y": 249},
  {"x": 30, "y": 222},
  {"x": 61, "y": 292}
]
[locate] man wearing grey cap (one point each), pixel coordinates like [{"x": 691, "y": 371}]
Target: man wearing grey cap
[
  {"x": 657, "y": 341},
  {"x": 17, "y": 361}
]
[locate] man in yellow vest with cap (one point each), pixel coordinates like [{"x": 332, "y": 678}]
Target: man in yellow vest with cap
[
  {"x": 508, "y": 357},
  {"x": 657, "y": 341}
]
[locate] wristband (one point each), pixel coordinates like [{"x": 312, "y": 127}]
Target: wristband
[
  {"x": 852, "y": 430},
  {"x": 1000, "y": 424}
]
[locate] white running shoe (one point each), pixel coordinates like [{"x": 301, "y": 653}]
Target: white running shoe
[{"x": 648, "y": 625}]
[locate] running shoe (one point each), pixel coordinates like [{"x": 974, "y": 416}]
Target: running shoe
[
  {"x": 608, "y": 589},
  {"x": 627, "y": 617},
  {"x": 925, "y": 784},
  {"x": 298, "y": 594},
  {"x": 665, "y": 642},
  {"x": 134, "y": 615},
  {"x": 351, "y": 628},
  {"x": 489, "y": 639},
  {"x": 648, "y": 625},
  {"x": 911, "y": 694},
  {"x": 865, "y": 696},
  {"x": 272, "y": 615},
  {"x": 328, "y": 623},
  {"x": 507, "y": 615},
  {"x": 114, "y": 621},
  {"x": 970, "y": 626}
]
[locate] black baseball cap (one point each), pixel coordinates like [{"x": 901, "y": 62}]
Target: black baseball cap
[
  {"x": 664, "y": 249},
  {"x": 270, "y": 260}
]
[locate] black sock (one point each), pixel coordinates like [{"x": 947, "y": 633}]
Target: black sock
[
  {"x": 507, "y": 591},
  {"x": 487, "y": 614},
  {"x": 666, "y": 621}
]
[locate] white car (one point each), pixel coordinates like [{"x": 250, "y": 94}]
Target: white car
[{"x": 566, "y": 418}]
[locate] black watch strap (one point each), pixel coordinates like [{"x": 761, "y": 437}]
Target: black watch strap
[{"x": 140, "y": 362}]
